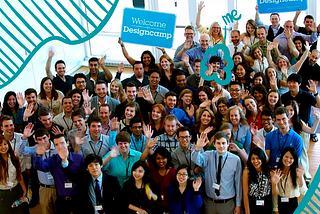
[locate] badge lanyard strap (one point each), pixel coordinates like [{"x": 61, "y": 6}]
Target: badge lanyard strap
[{"x": 222, "y": 164}]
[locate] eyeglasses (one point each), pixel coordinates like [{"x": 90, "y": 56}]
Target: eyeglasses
[
  {"x": 136, "y": 127},
  {"x": 184, "y": 137},
  {"x": 235, "y": 90},
  {"x": 222, "y": 106},
  {"x": 182, "y": 175}
]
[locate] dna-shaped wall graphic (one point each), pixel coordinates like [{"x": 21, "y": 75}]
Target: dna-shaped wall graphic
[{"x": 51, "y": 20}]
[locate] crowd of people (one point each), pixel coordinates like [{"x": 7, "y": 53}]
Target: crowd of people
[{"x": 164, "y": 140}]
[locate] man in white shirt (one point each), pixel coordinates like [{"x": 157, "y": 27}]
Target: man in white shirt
[{"x": 235, "y": 45}]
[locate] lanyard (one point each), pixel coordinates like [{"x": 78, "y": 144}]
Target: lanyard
[
  {"x": 285, "y": 183},
  {"x": 134, "y": 143},
  {"x": 127, "y": 170},
  {"x": 94, "y": 149},
  {"x": 260, "y": 65},
  {"x": 67, "y": 124},
  {"x": 237, "y": 132}
]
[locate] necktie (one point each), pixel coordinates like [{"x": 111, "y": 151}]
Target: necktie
[
  {"x": 98, "y": 193},
  {"x": 235, "y": 49},
  {"x": 219, "y": 175}
]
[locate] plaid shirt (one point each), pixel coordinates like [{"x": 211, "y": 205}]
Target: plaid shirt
[{"x": 169, "y": 143}]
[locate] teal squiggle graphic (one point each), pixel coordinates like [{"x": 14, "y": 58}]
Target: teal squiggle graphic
[{"x": 62, "y": 38}]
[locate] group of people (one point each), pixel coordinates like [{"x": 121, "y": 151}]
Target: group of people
[{"x": 164, "y": 140}]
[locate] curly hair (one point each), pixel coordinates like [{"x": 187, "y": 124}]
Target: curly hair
[{"x": 243, "y": 119}]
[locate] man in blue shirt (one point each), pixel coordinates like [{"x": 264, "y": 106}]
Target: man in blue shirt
[
  {"x": 281, "y": 138},
  {"x": 170, "y": 101},
  {"x": 222, "y": 171},
  {"x": 68, "y": 192}
]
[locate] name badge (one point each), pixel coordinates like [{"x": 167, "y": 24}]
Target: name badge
[
  {"x": 9, "y": 183},
  {"x": 98, "y": 207},
  {"x": 277, "y": 159},
  {"x": 284, "y": 199},
  {"x": 50, "y": 177},
  {"x": 67, "y": 185},
  {"x": 260, "y": 202},
  {"x": 216, "y": 186}
]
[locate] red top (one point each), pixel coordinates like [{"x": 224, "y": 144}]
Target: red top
[{"x": 257, "y": 121}]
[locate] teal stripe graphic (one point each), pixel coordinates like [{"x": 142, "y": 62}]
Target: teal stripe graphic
[
  {"x": 36, "y": 18},
  {"x": 91, "y": 11},
  {"x": 16, "y": 27},
  {"x": 72, "y": 18},
  {"x": 11, "y": 71},
  {"x": 83, "y": 14},
  {"x": 23, "y": 21},
  {"x": 51, "y": 22},
  {"x": 14, "y": 38}
]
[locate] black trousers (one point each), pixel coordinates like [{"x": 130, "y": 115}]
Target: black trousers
[
  {"x": 65, "y": 205},
  {"x": 287, "y": 207}
]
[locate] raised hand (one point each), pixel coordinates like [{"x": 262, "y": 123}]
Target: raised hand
[
  {"x": 208, "y": 130},
  {"x": 316, "y": 112},
  {"x": 201, "y": 5},
  {"x": 114, "y": 124},
  {"x": 102, "y": 60},
  {"x": 313, "y": 27},
  {"x": 202, "y": 141},
  {"x": 242, "y": 108},
  {"x": 287, "y": 33},
  {"x": 120, "y": 42},
  {"x": 246, "y": 41},
  {"x": 139, "y": 92},
  {"x": 273, "y": 81},
  {"x": 187, "y": 45},
  {"x": 28, "y": 112},
  {"x": 114, "y": 152},
  {"x": 63, "y": 154},
  {"x": 152, "y": 143},
  {"x": 205, "y": 104},
  {"x": 40, "y": 149},
  {"x": 233, "y": 147},
  {"x": 258, "y": 142},
  {"x": 51, "y": 53},
  {"x": 277, "y": 175},
  {"x": 216, "y": 98},
  {"x": 209, "y": 71},
  {"x": 148, "y": 132},
  {"x": 253, "y": 129},
  {"x": 78, "y": 139},
  {"x": 85, "y": 95},
  {"x": 298, "y": 13},
  {"x": 27, "y": 132},
  {"x": 270, "y": 46},
  {"x": 300, "y": 171},
  {"x": 56, "y": 130},
  {"x": 147, "y": 95},
  {"x": 121, "y": 67},
  {"x": 20, "y": 99},
  {"x": 161, "y": 49},
  {"x": 87, "y": 108},
  {"x": 190, "y": 111},
  {"x": 246, "y": 93},
  {"x": 312, "y": 86},
  {"x": 196, "y": 184}
]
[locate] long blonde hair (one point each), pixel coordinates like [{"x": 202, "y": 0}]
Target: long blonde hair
[
  {"x": 243, "y": 119},
  {"x": 120, "y": 96},
  {"x": 211, "y": 29}
]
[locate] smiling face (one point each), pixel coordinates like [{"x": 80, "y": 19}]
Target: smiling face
[
  {"x": 287, "y": 159},
  {"x": 271, "y": 73},
  {"x": 156, "y": 114},
  {"x": 196, "y": 68},
  {"x": 274, "y": 19},
  {"x": 104, "y": 113},
  {"x": 114, "y": 88},
  {"x": 258, "y": 96},
  {"x": 235, "y": 37},
  {"x": 262, "y": 35},
  {"x": 298, "y": 45},
  {"x": 235, "y": 91},
  {"x": 101, "y": 90},
  {"x": 282, "y": 121},
  {"x": 61, "y": 69},
  {"x": 94, "y": 169},
  {"x": 4, "y": 147},
  {"x": 146, "y": 59},
  {"x": 154, "y": 79},
  {"x": 257, "y": 53},
  {"x": 293, "y": 86},
  {"x": 250, "y": 29},
  {"x": 308, "y": 23},
  {"x": 241, "y": 72},
  {"x": 216, "y": 29},
  {"x": 43, "y": 141},
  {"x": 138, "y": 173},
  {"x": 94, "y": 67},
  {"x": 11, "y": 101},
  {"x": 81, "y": 84},
  {"x": 95, "y": 129},
  {"x": 205, "y": 118},
  {"x": 181, "y": 81},
  {"x": 202, "y": 96},
  {"x": 124, "y": 147},
  {"x": 67, "y": 105},
  {"x": 314, "y": 57},
  {"x": 267, "y": 122},
  {"x": 273, "y": 98},
  {"x": 282, "y": 63},
  {"x": 165, "y": 64},
  {"x": 79, "y": 122},
  {"x": 31, "y": 98},
  {"x": 47, "y": 86},
  {"x": 222, "y": 108},
  {"x": 129, "y": 112},
  {"x": 138, "y": 70},
  {"x": 204, "y": 41},
  {"x": 237, "y": 59},
  {"x": 184, "y": 139},
  {"x": 136, "y": 130},
  {"x": 182, "y": 176},
  {"x": 258, "y": 80},
  {"x": 251, "y": 105},
  {"x": 256, "y": 162},
  {"x": 131, "y": 93},
  {"x": 221, "y": 145},
  {"x": 189, "y": 34},
  {"x": 7, "y": 128},
  {"x": 46, "y": 121},
  {"x": 60, "y": 144},
  {"x": 170, "y": 102},
  {"x": 290, "y": 110},
  {"x": 187, "y": 98},
  {"x": 76, "y": 98},
  {"x": 234, "y": 117},
  {"x": 161, "y": 161}
]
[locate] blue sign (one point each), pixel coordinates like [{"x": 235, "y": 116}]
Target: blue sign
[
  {"x": 148, "y": 27},
  {"x": 276, "y": 6}
]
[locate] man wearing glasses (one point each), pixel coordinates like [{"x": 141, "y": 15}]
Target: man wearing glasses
[{"x": 235, "y": 92}]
